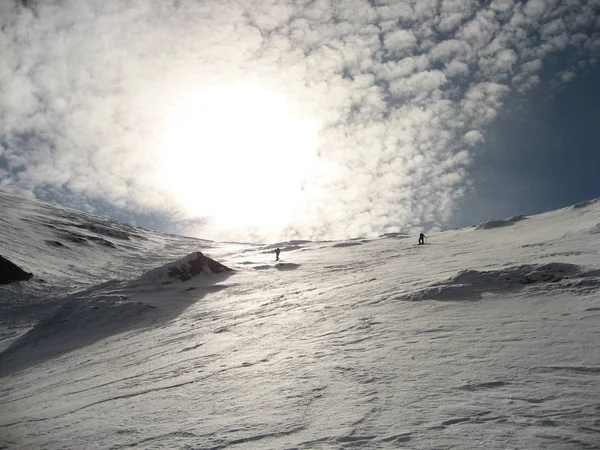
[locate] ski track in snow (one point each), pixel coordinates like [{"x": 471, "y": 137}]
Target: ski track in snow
[{"x": 486, "y": 338}]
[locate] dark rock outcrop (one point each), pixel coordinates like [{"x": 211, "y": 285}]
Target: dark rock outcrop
[
  {"x": 194, "y": 265},
  {"x": 10, "y": 272},
  {"x": 185, "y": 269}
]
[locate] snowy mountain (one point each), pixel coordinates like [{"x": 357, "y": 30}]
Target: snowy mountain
[{"x": 486, "y": 337}]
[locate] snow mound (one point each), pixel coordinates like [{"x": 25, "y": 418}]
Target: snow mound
[
  {"x": 83, "y": 239},
  {"x": 10, "y": 272},
  {"x": 92, "y": 316},
  {"x": 286, "y": 266},
  {"x": 489, "y": 224},
  {"x": 584, "y": 204},
  {"x": 471, "y": 284},
  {"x": 292, "y": 242},
  {"x": 185, "y": 269},
  {"x": 347, "y": 244},
  {"x": 395, "y": 235}
]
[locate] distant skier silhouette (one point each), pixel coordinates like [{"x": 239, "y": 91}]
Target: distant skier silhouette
[
  {"x": 277, "y": 254},
  {"x": 422, "y": 239}
]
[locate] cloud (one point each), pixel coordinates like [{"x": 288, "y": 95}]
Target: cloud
[
  {"x": 419, "y": 83},
  {"x": 456, "y": 68},
  {"x": 402, "y": 91},
  {"x": 473, "y": 137},
  {"x": 400, "y": 42}
]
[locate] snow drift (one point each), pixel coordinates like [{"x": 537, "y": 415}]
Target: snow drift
[
  {"x": 472, "y": 284},
  {"x": 489, "y": 224},
  {"x": 585, "y": 204}
]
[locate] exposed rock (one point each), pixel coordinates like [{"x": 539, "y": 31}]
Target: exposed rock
[
  {"x": 196, "y": 264},
  {"x": 185, "y": 269},
  {"x": 10, "y": 272}
]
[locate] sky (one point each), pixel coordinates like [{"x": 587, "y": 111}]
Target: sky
[{"x": 265, "y": 120}]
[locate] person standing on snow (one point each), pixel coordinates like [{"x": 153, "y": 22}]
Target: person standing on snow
[
  {"x": 277, "y": 254},
  {"x": 422, "y": 239}
]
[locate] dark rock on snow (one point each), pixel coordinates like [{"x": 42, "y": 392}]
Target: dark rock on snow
[
  {"x": 196, "y": 264},
  {"x": 10, "y": 272}
]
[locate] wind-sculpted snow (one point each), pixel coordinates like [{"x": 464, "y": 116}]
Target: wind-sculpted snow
[
  {"x": 286, "y": 266},
  {"x": 395, "y": 235},
  {"x": 68, "y": 251},
  {"x": 283, "y": 248},
  {"x": 585, "y": 204},
  {"x": 489, "y": 224},
  {"x": 97, "y": 249},
  {"x": 472, "y": 284},
  {"x": 116, "y": 307},
  {"x": 294, "y": 244},
  {"x": 348, "y": 244},
  {"x": 291, "y": 243},
  {"x": 311, "y": 352}
]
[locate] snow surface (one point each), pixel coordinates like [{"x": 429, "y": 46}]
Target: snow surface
[
  {"x": 483, "y": 338},
  {"x": 499, "y": 223}
]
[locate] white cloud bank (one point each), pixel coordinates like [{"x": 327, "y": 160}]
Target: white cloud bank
[{"x": 401, "y": 92}]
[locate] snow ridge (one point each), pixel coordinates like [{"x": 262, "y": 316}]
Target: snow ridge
[
  {"x": 472, "y": 284},
  {"x": 490, "y": 224}
]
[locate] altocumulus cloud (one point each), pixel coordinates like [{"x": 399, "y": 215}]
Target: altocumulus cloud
[{"x": 402, "y": 90}]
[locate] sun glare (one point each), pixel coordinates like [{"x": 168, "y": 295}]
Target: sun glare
[{"x": 238, "y": 154}]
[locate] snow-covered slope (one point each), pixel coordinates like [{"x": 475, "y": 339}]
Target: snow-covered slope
[
  {"x": 484, "y": 338},
  {"x": 67, "y": 251}
]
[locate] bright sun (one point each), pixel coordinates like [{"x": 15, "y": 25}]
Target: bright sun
[{"x": 239, "y": 154}]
